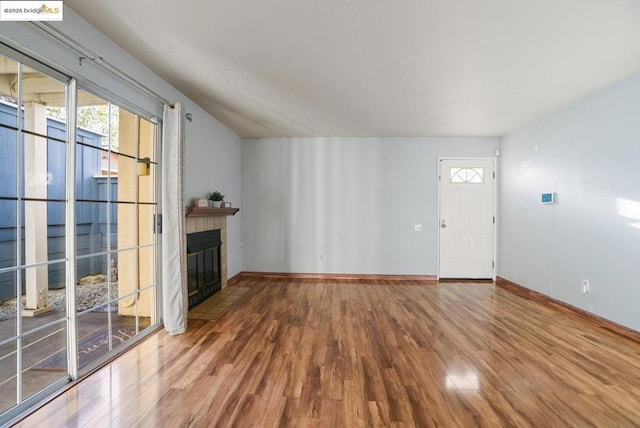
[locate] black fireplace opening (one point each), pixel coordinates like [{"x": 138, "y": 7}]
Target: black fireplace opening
[{"x": 203, "y": 265}]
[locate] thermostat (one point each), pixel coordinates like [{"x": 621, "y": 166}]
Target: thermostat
[{"x": 548, "y": 198}]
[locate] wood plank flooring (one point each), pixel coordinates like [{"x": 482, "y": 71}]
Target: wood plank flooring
[{"x": 357, "y": 353}]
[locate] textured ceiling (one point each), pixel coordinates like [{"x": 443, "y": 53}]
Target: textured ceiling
[{"x": 381, "y": 67}]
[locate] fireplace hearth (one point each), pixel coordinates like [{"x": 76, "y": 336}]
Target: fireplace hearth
[{"x": 203, "y": 265}]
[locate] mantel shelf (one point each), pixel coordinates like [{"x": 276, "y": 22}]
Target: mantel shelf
[{"x": 208, "y": 212}]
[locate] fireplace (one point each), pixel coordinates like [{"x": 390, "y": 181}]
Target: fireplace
[{"x": 203, "y": 265}]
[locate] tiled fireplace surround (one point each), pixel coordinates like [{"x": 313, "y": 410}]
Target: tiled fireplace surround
[{"x": 204, "y": 223}]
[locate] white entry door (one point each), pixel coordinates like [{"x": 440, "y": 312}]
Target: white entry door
[{"x": 467, "y": 218}]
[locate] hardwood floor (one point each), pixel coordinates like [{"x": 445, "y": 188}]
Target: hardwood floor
[{"x": 358, "y": 353}]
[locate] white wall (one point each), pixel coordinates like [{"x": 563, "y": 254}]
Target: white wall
[
  {"x": 213, "y": 162},
  {"x": 213, "y": 152},
  {"x": 590, "y": 155},
  {"x": 345, "y": 205}
]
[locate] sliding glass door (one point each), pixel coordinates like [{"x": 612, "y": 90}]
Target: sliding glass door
[
  {"x": 116, "y": 243},
  {"x": 78, "y": 246},
  {"x": 33, "y": 261}
]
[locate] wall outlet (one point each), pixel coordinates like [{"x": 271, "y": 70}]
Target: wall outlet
[{"x": 585, "y": 286}]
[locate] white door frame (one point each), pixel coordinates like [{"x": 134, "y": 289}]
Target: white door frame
[{"x": 495, "y": 208}]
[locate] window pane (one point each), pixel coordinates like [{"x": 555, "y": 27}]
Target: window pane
[
  {"x": 124, "y": 327},
  {"x": 93, "y": 229},
  {"x": 40, "y": 95},
  {"x": 9, "y": 305},
  {"x": 466, "y": 175},
  {"x": 94, "y": 117},
  {"x": 127, "y": 179},
  {"x": 146, "y": 308},
  {"x": 35, "y": 176},
  {"x": 146, "y": 183},
  {"x": 93, "y": 287},
  {"x": 56, "y": 177},
  {"x": 147, "y": 266},
  {"x": 110, "y": 166},
  {"x": 146, "y": 224},
  {"x": 44, "y": 289},
  {"x": 8, "y": 236},
  {"x": 126, "y": 226},
  {"x": 93, "y": 336},
  {"x": 135, "y": 313},
  {"x": 128, "y": 276},
  {"x": 8, "y": 93},
  {"x": 44, "y": 231},
  {"x": 8, "y": 379},
  {"x": 8, "y": 158},
  {"x": 44, "y": 358},
  {"x": 128, "y": 128},
  {"x": 147, "y": 143},
  {"x": 90, "y": 183}
]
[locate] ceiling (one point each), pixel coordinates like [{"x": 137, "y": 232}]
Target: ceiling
[{"x": 378, "y": 67}]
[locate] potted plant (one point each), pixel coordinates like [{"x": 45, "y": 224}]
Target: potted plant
[{"x": 215, "y": 199}]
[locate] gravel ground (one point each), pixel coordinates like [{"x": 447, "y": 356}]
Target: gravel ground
[{"x": 89, "y": 295}]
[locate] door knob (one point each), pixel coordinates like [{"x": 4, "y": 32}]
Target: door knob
[{"x": 443, "y": 224}]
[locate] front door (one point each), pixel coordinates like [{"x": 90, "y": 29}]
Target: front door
[{"x": 467, "y": 218}]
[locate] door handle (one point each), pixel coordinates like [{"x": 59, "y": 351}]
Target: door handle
[{"x": 443, "y": 224}]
